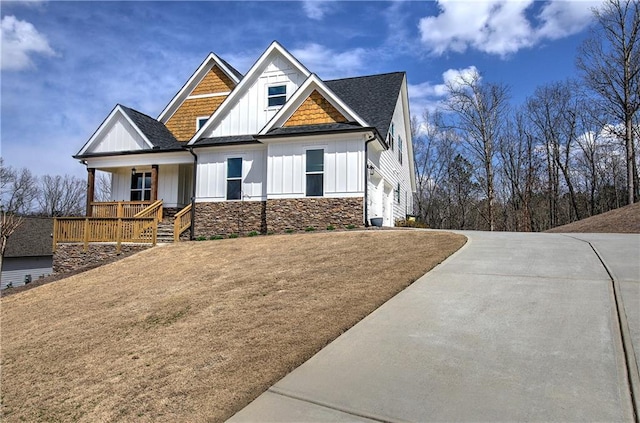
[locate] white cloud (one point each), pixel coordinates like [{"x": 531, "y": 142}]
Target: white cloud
[
  {"x": 429, "y": 96},
  {"x": 500, "y": 27},
  {"x": 328, "y": 63},
  {"x": 316, "y": 9},
  {"x": 19, "y": 40}
]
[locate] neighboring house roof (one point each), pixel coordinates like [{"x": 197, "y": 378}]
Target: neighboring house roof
[
  {"x": 32, "y": 238},
  {"x": 373, "y": 97},
  {"x": 155, "y": 131}
]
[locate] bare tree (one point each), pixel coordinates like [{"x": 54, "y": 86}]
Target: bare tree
[
  {"x": 610, "y": 64},
  {"x": 481, "y": 109},
  {"x": 62, "y": 196},
  {"x": 18, "y": 189},
  {"x": 9, "y": 222},
  {"x": 103, "y": 186}
]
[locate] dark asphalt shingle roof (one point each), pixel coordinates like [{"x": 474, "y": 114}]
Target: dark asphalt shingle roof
[
  {"x": 231, "y": 68},
  {"x": 372, "y": 97},
  {"x": 154, "y": 130},
  {"x": 32, "y": 238},
  {"x": 314, "y": 129},
  {"x": 226, "y": 140}
]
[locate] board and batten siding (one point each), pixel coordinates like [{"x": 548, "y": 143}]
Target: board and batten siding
[
  {"x": 14, "y": 269},
  {"x": 250, "y": 112},
  {"x": 343, "y": 167},
  {"x": 211, "y": 185},
  {"x": 174, "y": 184},
  {"x": 120, "y": 136},
  {"x": 394, "y": 172}
]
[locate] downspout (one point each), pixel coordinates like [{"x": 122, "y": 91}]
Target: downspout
[
  {"x": 366, "y": 181},
  {"x": 192, "y": 228}
]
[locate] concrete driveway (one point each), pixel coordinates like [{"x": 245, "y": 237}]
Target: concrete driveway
[{"x": 512, "y": 327}]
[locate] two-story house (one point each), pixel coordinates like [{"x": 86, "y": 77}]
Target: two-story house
[{"x": 275, "y": 149}]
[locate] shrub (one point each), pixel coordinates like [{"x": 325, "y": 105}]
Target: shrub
[
  {"x": 253, "y": 233},
  {"x": 331, "y": 228},
  {"x": 213, "y": 237},
  {"x": 201, "y": 238},
  {"x": 309, "y": 228},
  {"x": 289, "y": 231},
  {"x": 233, "y": 235},
  {"x": 351, "y": 226}
]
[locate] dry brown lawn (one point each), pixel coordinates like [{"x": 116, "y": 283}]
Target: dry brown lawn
[
  {"x": 623, "y": 220},
  {"x": 195, "y": 331}
]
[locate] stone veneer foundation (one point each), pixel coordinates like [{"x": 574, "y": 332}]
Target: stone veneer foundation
[
  {"x": 68, "y": 257},
  {"x": 242, "y": 217},
  {"x": 319, "y": 212}
]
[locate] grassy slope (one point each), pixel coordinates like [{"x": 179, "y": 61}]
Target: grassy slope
[
  {"x": 195, "y": 331},
  {"x": 623, "y": 220}
]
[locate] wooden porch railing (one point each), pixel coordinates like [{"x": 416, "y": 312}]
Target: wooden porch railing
[
  {"x": 182, "y": 222},
  {"x": 152, "y": 210},
  {"x": 118, "y": 208},
  {"x": 143, "y": 230}
]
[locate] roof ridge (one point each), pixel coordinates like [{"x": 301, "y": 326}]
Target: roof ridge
[
  {"x": 366, "y": 76},
  {"x": 138, "y": 112}
]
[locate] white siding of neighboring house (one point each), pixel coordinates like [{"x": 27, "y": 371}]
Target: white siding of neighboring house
[
  {"x": 343, "y": 166},
  {"x": 174, "y": 182},
  {"x": 211, "y": 184},
  {"x": 393, "y": 172},
  {"x": 250, "y": 112},
  {"x": 14, "y": 269},
  {"x": 119, "y": 136}
]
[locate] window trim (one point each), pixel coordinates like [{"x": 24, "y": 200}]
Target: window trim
[
  {"x": 198, "y": 119},
  {"x": 235, "y": 178},
  {"x": 322, "y": 148},
  {"x": 391, "y": 136},
  {"x": 143, "y": 174},
  {"x": 268, "y": 97},
  {"x": 399, "y": 149}
]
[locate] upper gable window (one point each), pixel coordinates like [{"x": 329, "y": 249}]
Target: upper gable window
[
  {"x": 276, "y": 95},
  {"x": 201, "y": 121}
]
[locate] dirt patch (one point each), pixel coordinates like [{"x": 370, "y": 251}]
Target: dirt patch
[
  {"x": 625, "y": 220},
  {"x": 195, "y": 331}
]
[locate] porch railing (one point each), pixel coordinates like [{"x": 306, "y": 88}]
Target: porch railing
[
  {"x": 118, "y": 208},
  {"x": 143, "y": 230},
  {"x": 152, "y": 210},
  {"x": 182, "y": 222}
]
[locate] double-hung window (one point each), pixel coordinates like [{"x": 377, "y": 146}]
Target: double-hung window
[
  {"x": 315, "y": 173},
  {"x": 276, "y": 95},
  {"x": 234, "y": 178},
  {"x": 141, "y": 186},
  {"x": 397, "y": 193},
  {"x": 399, "y": 149},
  {"x": 391, "y": 136}
]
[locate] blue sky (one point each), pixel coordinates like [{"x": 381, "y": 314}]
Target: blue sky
[{"x": 65, "y": 65}]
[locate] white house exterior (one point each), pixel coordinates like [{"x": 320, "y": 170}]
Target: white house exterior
[{"x": 273, "y": 150}]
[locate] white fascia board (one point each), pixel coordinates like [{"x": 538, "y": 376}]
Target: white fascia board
[
  {"x": 310, "y": 84},
  {"x": 134, "y": 160},
  {"x": 193, "y": 81},
  {"x": 224, "y": 148},
  {"x": 99, "y": 132},
  {"x": 245, "y": 84},
  {"x": 329, "y": 137}
]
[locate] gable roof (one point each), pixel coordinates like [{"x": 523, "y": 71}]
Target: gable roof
[
  {"x": 155, "y": 135},
  {"x": 155, "y": 131},
  {"x": 372, "y": 97},
  {"x": 209, "y": 62},
  {"x": 31, "y": 239},
  {"x": 240, "y": 89}
]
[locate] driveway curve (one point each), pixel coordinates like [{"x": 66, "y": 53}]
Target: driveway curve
[{"x": 512, "y": 327}]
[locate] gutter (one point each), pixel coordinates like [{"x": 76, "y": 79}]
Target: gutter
[
  {"x": 192, "y": 228},
  {"x": 366, "y": 180}
]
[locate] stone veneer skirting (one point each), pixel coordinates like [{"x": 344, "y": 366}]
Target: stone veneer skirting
[
  {"x": 69, "y": 257},
  {"x": 242, "y": 217}
]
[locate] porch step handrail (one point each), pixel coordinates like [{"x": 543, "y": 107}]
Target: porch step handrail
[
  {"x": 153, "y": 210},
  {"x": 118, "y": 208},
  {"x": 182, "y": 222}
]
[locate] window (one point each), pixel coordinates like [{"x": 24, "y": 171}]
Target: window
[
  {"x": 201, "y": 121},
  {"x": 234, "y": 179},
  {"x": 315, "y": 173},
  {"x": 276, "y": 95},
  {"x": 397, "y": 193},
  {"x": 399, "y": 149},
  {"x": 141, "y": 186},
  {"x": 390, "y": 136}
]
